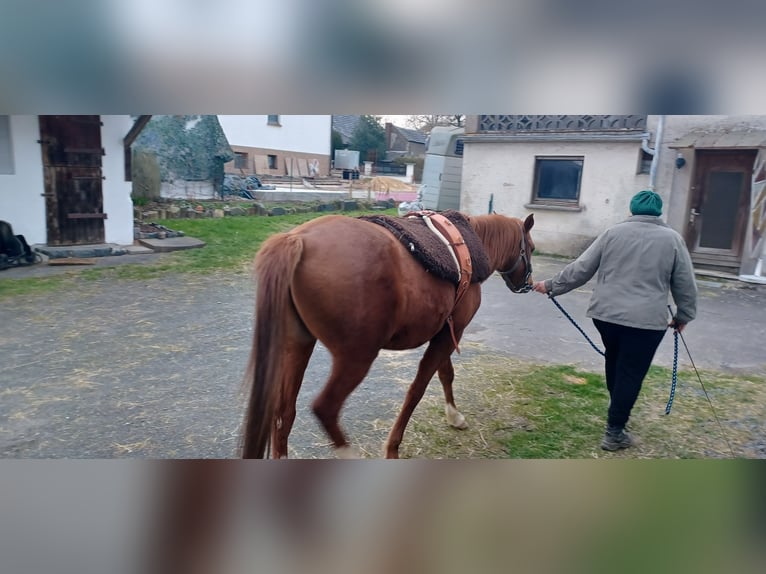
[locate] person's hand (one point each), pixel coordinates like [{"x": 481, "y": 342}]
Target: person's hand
[
  {"x": 677, "y": 326},
  {"x": 539, "y": 286}
]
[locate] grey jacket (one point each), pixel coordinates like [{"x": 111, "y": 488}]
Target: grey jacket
[{"x": 639, "y": 261}]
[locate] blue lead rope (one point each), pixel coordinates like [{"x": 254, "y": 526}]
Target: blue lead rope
[
  {"x": 600, "y": 352},
  {"x": 568, "y": 316},
  {"x": 675, "y": 373},
  {"x": 675, "y": 367}
]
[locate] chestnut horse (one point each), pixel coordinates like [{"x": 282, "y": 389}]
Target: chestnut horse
[{"x": 353, "y": 286}]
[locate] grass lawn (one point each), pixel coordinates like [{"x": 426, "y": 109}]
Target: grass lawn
[
  {"x": 231, "y": 244},
  {"x": 519, "y": 410}
]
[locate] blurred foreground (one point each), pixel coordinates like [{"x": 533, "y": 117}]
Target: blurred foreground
[{"x": 373, "y": 516}]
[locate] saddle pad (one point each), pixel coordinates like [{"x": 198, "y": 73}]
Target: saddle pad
[{"x": 429, "y": 250}]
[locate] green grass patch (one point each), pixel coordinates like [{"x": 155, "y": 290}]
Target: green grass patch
[
  {"x": 231, "y": 245},
  {"x": 33, "y": 285},
  {"x": 519, "y": 410}
]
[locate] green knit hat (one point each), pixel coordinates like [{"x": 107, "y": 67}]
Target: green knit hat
[{"x": 646, "y": 202}]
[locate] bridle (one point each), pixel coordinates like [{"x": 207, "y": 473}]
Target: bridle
[{"x": 523, "y": 257}]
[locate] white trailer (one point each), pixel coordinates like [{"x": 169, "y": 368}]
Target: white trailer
[{"x": 442, "y": 169}]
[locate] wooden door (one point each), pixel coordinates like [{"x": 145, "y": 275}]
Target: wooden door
[
  {"x": 74, "y": 203},
  {"x": 720, "y": 201}
]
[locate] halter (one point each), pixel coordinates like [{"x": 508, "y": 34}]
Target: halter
[{"x": 523, "y": 257}]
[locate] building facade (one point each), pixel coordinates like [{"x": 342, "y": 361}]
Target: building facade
[
  {"x": 278, "y": 145},
  {"x": 64, "y": 180},
  {"x": 578, "y": 173}
]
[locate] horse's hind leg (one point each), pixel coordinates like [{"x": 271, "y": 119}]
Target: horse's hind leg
[
  {"x": 296, "y": 355},
  {"x": 440, "y": 347},
  {"x": 345, "y": 377},
  {"x": 446, "y": 376}
]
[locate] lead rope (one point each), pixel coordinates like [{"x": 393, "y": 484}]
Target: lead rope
[
  {"x": 568, "y": 316},
  {"x": 675, "y": 368},
  {"x": 704, "y": 390},
  {"x": 675, "y": 372}
]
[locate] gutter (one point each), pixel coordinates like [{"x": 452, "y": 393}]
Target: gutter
[{"x": 653, "y": 151}]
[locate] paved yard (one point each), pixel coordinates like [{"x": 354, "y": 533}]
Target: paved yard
[{"x": 153, "y": 368}]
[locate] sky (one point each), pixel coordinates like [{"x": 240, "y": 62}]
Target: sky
[{"x": 400, "y": 121}]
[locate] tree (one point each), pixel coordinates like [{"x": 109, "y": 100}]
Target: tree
[
  {"x": 428, "y": 122},
  {"x": 336, "y": 142},
  {"x": 146, "y": 176},
  {"x": 186, "y": 147},
  {"x": 369, "y": 138}
]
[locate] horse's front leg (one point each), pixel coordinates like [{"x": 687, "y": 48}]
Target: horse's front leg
[
  {"x": 446, "y": 376},
  {"x": 438, "y": 350}
]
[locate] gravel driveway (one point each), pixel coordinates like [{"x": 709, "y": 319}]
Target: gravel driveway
[{"x": 152, "y": 369}]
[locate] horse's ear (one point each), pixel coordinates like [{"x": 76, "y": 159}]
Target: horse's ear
[{"x": 529, "y": 222}]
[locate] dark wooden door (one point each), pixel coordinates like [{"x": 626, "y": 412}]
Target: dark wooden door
[
  {"x": 720, "y": 201},
  {"x": 74, "y": 202}
]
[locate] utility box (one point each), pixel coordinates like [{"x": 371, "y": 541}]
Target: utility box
[
  {"x": 442, "y": 169},
  {"x": 346, "y": 159}
]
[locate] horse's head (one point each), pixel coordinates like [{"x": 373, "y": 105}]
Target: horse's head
[{"x": 516, "y": 270}]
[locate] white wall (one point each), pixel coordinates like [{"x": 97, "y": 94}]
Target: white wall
[
  {"x": 609, "y": 180},
  {"x": 181, "y": 189},
  {"x": 507, "y": 170},
  {"x": 307, "y": 134},
  {"x": 21, "y": 201},
  {"x": 118, "y": 228}
]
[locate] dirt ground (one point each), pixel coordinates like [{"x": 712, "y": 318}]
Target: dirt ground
[{"x": 153, "y": 368}]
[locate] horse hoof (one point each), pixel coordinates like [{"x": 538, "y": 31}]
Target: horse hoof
[
  {"x": 454, "y": 418},
  {"x": 347, "y": 452}
]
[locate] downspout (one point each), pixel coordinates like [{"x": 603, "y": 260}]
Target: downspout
[{"x": 654, "y": 151}]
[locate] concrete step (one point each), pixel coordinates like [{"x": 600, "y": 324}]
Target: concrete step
[
  {"x": 81, "y": 251},
  {"x": 172, "y": 244}
]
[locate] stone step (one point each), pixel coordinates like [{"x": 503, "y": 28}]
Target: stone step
[{"x": 172, "y": 244}]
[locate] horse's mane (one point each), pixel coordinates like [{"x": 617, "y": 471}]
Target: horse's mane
[{"x": 497, "y": 236}]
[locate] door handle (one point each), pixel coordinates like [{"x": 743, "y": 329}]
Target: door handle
[{"x": 693, "y": 215}]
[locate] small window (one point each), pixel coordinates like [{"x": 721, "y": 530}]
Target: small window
[
  {"x": 459, "y": 147},
  {"x": 644, "y": 162},
  {"x": 273, "y": 120},
  {"x": 240, "y": 160},
  {"x": 272, "y": 162},
  {"x": 6, "y": 150},
  {"x": 557, "y": 180}
]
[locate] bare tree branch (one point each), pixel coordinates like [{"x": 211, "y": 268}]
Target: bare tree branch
[{"x": 426, "y": 123}]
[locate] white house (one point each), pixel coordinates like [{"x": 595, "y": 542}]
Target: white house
[
  {"x": 297, "y": 145},
  {"x": 578, "y": 173},
  {"x": 64, "y": 180}
]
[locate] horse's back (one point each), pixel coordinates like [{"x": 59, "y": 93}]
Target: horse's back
[{"x": 356, "y": 283}]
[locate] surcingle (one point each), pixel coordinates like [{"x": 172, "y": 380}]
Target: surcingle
[{"x": 430, "y": 251}]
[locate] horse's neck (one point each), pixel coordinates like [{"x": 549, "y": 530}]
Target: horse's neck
[{"x": 500, "y": 242}]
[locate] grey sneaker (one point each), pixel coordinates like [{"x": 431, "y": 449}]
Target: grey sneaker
[{"x": 615, "y": 440}]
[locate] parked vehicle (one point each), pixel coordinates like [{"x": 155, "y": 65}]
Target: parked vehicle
[{"x": 442, "y": 169}]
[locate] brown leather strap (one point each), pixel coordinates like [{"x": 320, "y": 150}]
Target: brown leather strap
[{"x": 463, "y": 256}]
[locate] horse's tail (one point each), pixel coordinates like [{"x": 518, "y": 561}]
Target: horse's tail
[{"x": 275, "y": 264}]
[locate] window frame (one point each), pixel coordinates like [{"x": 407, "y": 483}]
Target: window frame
[
  {"x": 556, "y": 202},
  {"x": 275, "y": 163},
  {"x": 273, "y": 120}
]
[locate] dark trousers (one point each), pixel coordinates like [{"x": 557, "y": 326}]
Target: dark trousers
[{"x": 629, "y": 353}]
